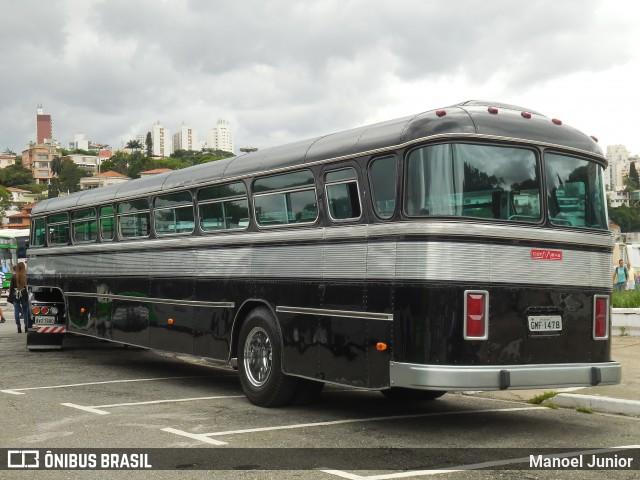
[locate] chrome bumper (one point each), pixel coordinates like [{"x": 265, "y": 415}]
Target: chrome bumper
[{"x": 502, "y": 377}]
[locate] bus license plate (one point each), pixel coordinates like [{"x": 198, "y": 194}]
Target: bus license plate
[
  {"x": 545, "y": 323},
  {"x": 42, "y": 320}
]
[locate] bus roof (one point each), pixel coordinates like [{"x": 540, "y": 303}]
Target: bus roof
[{"x": 469, "y": 118}]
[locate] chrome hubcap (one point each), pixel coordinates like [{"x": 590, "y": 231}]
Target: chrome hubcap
[{"x": 258, "y": 356}]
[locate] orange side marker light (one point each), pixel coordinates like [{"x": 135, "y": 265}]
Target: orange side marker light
[{"x": 381, "y": 346}]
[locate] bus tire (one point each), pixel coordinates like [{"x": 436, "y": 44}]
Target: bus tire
[
  {"x": 260, "y": 361},
  {"x": 409, "y": 394}
]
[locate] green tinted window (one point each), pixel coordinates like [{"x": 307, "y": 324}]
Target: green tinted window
[
  {"x": 107, "y": 224},
  {"x": 58, "y": 228},
  {"x": 84, "y": 225},
  {"x": 38, "y": 232}
]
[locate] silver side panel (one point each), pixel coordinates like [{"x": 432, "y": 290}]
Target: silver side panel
[
  {"x": 386, "y": 261},
  {"x": 500, "y": 377}
]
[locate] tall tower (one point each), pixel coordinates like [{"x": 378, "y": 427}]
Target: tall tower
[
  {"x": 43, "y": 126},
  {"x": 221, "y": 137}
]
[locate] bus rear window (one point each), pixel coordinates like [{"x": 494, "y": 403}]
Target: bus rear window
[
  {"x": 481, "y": 181},
  {"x": 574, "y": 192}
]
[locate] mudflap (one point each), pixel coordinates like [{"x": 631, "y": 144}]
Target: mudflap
[{"x": 44, "y": 341}]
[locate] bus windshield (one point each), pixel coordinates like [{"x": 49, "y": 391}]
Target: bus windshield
[
  {"x": 473, "y": 181},
  {"x": 574, "y": 192}
]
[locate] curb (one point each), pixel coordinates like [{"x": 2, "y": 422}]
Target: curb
[{"x": 598, "y": 403}]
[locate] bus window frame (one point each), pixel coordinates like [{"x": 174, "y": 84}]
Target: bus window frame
[
  {"x": 54, "y": 224},
  {"x": 198, "y": 203},
  {"x": 538, "y": 156},
  {"x": 113, "y": 219},
  {"x": 83, "y": 220},
  {"x": 32, "y": 234},
  {"x": 342, "y": 182},
  {"x": 120, "y": 215},
  {"x": 284, "y": 191},
  {"x": 397, "y": 191},
  {"x": 161, "y": 209}
]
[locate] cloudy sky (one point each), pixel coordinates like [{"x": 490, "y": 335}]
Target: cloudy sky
[{"x": 285, "y": 70}]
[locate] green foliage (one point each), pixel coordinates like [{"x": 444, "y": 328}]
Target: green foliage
[
  {"x": 5, "y": 201},
  {"x": 584, "y": 410},
  {"x": 76, "y": 151},
  {"x": 70, "y": 175},
  {"x": 628, "y": 218},
  {"x": 634, "y": 179},
  {"x": 134, "y": 145},
  {"x": 15, "y": 176},
  {"x": 539, "y": 399},
  {"x": 626, "y": 299},
  {"x": 149, "y": 143}
]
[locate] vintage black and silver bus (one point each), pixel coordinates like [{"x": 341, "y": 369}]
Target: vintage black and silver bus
[{"x": 464, "y": 248}]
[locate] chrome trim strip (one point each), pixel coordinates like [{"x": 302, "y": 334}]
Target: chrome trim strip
[
  {"x": 165, "y": 301},
  {"x": 388, "y": 317},
  {"x": 490, "y": 377},
  {"x": 454, "y": 228},
  {"x": 410, "y": 260}
]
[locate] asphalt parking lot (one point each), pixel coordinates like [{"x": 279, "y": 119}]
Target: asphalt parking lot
[{"x": 96, "y": 395}]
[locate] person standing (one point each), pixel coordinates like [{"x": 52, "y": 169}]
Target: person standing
[
  {"x": 18, "y": 295},
  {"x": 620, "y": 277}
]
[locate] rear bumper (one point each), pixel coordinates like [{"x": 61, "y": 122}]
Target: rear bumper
[{"x": 503, "y": 377}]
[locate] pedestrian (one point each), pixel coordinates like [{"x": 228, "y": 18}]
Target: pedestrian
[
  {"x": 18, "y": 295},
  {"x": 620, "y": 277}
]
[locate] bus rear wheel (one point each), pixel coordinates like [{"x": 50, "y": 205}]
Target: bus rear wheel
[
  {"x": 260, "y": 361},
  {"x": 409, "y": 394}
]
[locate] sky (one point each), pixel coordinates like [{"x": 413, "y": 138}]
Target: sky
[{"x": 281, "y": 71}]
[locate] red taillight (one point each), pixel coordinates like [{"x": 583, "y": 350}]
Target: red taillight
[
  {"x": 441, "y": 113},
  {"x": 492, "y": 110},
  {"x": 525, "y": 114},
  {"x": 44, "y": 310},
  {"x": 476, "y": 312},
  {"x": 601, "y": 317}
]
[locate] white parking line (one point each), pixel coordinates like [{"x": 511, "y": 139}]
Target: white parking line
[
  {"x": 19, "y": 391},
  {"x": 97, "y": 408},
  {"x": 476, "y": 466},
  {"x": 205, "y": 437}
]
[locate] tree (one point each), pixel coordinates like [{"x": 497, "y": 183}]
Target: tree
[
  {"x": 15, "y": 176},
  {"x": 149, "y": 143},
  {"x": 5, "y": 201},
  {"x": 634, "y": 179},
  {"x": 134, "y": 145},
  {"x": 70, "y": 175}
]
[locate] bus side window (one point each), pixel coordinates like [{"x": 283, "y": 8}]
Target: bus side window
[
  {"x": 285, "y": 199},
  {"x": 39, "y": 231},
  {"x": 223, "y": 207},
  {"x": 134, "y": 219},
  {"x": 382, "y": 175},
  {"x": 343, "y": 198},
  {"x": 106, "y": 223},
  {"x": 173, "y": 213},
  {"x": 58, "y": 225},
  {"x": 84, "y": 225}
]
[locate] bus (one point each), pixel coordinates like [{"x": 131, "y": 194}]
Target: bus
[
  {"x": 416, "y": 256},
  {"x": 8, "y": 259}
]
